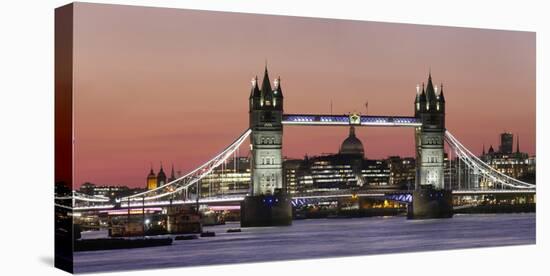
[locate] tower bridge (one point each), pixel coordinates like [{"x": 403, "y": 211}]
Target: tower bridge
[{"x": 267, "y": 202}]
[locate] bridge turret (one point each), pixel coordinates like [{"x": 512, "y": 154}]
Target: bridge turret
[
  {"x": 422, "y": 100},
  {"x": 255, "y": 95},
  {"x": 278, "y": 94},
  {"x": 441, "y": 101},
  {"x": 417, "y": 101}
]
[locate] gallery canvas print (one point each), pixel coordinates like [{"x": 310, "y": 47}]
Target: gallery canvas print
[{"x": 190, "y": 138}]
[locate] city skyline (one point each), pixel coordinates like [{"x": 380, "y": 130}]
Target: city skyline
[
  {"x": 146, "y": 98},
  {"x": 170, "y": 169}
]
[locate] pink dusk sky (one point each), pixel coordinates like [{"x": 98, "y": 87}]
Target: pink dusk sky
[{"x": 168, "y": 85}]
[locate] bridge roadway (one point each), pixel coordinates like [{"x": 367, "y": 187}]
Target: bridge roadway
[{"x": 235, "y": 199}]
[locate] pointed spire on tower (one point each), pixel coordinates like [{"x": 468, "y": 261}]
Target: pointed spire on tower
[
  {"x": 266, "y": 84},
  {"x": 278, "y": 92},
  {"x": 266, "y": 92},
  {"x": 172, "y": 175},
  {"x": 441, "y": 96},
  {"x": 430, "y": 91},
  {"x": 423, "y": 95},
  {"x": 483, "y": 152},
  {"x": 423, "y": 99},
  {"x": 254, "y": 91}
]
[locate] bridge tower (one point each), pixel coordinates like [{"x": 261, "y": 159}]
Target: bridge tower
[
  {"x": 267, "y": 204},
  {"x": 266, "y": 115},
  {"x": 431, "y": 199}
]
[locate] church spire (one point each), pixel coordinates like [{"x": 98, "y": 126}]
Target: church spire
[
  {"x": 483, "y": 152},
  {"x": 172, "y": 175}
]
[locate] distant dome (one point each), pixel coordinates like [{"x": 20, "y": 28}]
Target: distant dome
[{"x": 352, "y": 145}]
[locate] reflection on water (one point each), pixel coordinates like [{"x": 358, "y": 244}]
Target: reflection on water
[{"x": 319, "y": 238}]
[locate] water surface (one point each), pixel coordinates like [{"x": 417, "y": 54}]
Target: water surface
[{"x": 316, "y": 238}]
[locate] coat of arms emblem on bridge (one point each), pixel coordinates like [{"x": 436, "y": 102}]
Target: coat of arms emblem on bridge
[{"x": 354, "y": 119}]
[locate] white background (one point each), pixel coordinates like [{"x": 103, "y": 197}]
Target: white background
[{"x": 26, "y": 136}]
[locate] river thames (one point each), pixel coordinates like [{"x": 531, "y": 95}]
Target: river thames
[{"x": 318, "y": 238}]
